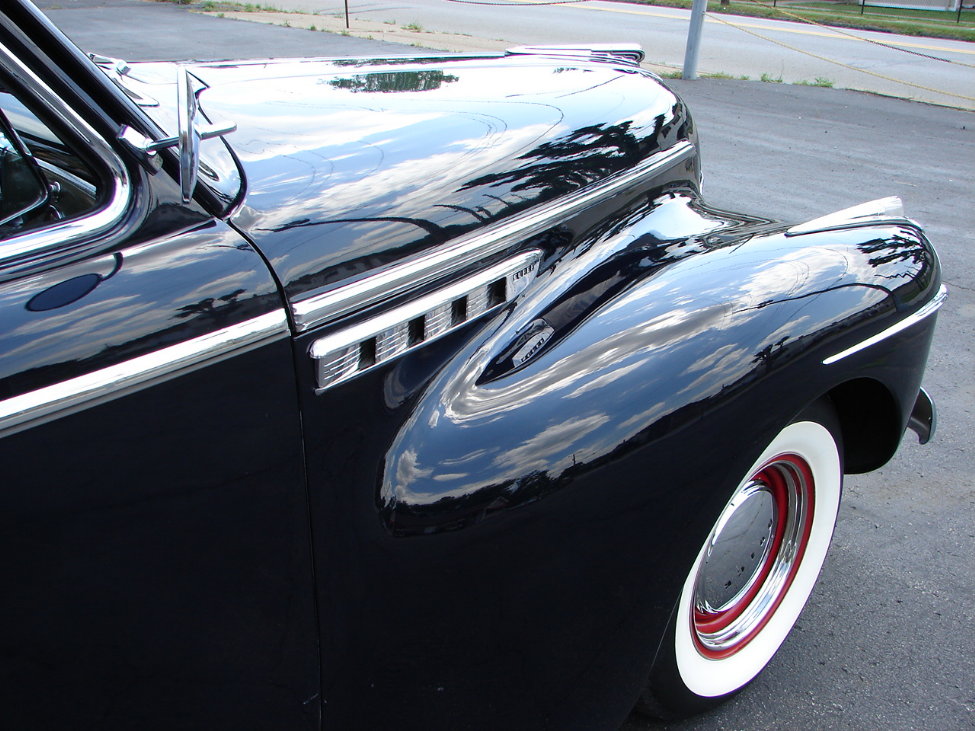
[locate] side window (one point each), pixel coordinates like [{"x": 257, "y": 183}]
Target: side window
[
  {"x": 22, "y": 188},
  {"x": 33, "y": 154}
]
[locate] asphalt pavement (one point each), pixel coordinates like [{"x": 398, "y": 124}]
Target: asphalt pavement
[{"x": 887, "y": 639}]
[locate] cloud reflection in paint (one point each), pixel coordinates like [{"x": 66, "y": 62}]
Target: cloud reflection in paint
[{"x": 691, "y": 330}]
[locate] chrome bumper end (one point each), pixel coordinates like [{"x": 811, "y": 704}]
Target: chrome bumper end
[{"x": 924, "y": 417}]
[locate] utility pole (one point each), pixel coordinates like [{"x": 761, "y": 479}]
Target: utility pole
[{"x": 694, "y": 38}]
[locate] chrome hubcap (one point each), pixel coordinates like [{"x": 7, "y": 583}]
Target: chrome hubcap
[
  {"x": 752, "y": 555},
  {"x": 738, "y": 549}
]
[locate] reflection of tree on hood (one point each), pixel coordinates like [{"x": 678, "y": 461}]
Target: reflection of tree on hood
[
  {"x": 393, "y": 82},
  {"x": 586, "y": 155}
]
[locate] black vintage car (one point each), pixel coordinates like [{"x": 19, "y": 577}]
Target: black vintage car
[{"x": 413, "y": 392}]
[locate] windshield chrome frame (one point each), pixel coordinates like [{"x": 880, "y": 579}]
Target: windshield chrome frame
[{"x": 63, "y": 234}]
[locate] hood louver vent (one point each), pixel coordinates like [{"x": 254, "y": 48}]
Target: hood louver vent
[{"x": 357, "y": 349}]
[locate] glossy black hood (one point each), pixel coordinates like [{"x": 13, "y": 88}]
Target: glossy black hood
[{"x": 352, "y": 164}]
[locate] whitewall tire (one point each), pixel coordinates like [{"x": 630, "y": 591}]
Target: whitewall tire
[{"x": 754, "y": 573}]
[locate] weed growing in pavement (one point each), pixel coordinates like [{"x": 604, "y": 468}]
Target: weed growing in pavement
[
  {"x": 723, "y": 75},
  {"x": 818, "y": 81},
  {"x": 219, "y": 5}
]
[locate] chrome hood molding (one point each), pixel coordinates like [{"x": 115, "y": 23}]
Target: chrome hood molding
[
  {"x": 356, "y": 167},
  {"x": 468, "y": 249}
]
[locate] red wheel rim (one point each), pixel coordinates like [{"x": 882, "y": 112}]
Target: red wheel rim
[{"x": 781, "y": 491}]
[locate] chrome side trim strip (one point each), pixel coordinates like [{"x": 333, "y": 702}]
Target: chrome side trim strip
[
  {"x": 915, "y": 317},
  {"x": 360, "y": 348},
  {"x": 61, "y": 399},
  {"x": 67, "y": 232},
  {"x": 465, "y": 250}
]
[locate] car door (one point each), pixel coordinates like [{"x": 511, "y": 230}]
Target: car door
[{"x": 156, "y": 564}]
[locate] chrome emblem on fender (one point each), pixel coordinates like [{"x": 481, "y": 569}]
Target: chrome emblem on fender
[{"x": 540, "y": 333}]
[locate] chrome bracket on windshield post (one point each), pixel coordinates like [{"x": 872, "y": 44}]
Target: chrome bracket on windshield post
[{"x": 187, "y": 139}]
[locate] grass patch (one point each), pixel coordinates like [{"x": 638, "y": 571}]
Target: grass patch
[
  {"x": 818, "y": 81},
  {"x": 925, "y": 16},
  {"x": 218, "y": 5},
  {"x": 415, "y": 27},
  {"x": 931, "y": 24},
  {"x": 723, "y": 75}
]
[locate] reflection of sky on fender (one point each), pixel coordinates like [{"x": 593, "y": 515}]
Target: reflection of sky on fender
[
  {"x": 135, "y": 302},
  {"x": 633, "y": 362}
]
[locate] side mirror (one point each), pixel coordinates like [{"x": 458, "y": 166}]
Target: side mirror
[{"x": 22, "y": 186}]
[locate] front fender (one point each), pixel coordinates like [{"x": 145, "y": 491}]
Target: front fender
[{"x": 682, "y": 334}]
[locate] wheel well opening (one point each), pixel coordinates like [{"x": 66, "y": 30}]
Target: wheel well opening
[{"x": 869, "y": 421}]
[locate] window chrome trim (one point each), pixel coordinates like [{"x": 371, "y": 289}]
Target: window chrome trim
[
  {"x": 60, "y": 399},
  {"x": 915, "y": 317},
  {"x": 340, "y": 356},
  {"x": 398, "y": 278},
  {"x": 68, "y": 232}
]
